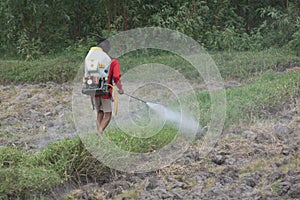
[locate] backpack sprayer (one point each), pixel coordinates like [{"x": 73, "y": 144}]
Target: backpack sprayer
[
  {"x": 97, "y": 64},
  {"x": 95, "y": 86}
]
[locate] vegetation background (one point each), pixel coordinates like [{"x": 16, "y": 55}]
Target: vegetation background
[{"x": 31, "y": 28}]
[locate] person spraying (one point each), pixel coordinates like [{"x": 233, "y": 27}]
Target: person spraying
[{"x": 101, "y": 73}]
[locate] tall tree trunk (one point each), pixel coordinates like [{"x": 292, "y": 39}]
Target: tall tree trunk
[
  {"x": 41, "y": 27},
  {"x": 193, "y": 6},
  {"x": 108, "y": 14},
  {"x": 287, "y": 7},
  {"x": 115, "y": 15},
  {"x": 79, "y": 20},
  {"x": 247, "y": 17},
  {"x": 124, "y": 25}
]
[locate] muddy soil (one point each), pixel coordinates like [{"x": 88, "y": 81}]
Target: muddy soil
[{"x": 260, "y": 161}]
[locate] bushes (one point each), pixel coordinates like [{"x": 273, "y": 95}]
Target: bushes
[
  {"x": 232, "y": 39},
  {"x": 31, "y": 28},
  {"x": 295, "y": 42}
]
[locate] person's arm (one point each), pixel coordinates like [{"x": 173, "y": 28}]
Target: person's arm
[
  {"x": 117, "y": 75},
  {"x": 119, "y": 85}
]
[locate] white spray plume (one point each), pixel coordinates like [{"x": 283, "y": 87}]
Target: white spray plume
[{"x": 186, "y": 122}]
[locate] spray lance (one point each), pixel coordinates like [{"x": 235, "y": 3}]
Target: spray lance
[
  {"x": 136, "y": 98},
  {"x": 116, "y": 98}
]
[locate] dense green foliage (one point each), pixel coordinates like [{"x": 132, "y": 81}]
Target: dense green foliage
[{"x": 30, "y": 28}]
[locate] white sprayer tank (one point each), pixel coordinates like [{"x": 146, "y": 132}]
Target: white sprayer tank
[{"x": 97, "y": 63}]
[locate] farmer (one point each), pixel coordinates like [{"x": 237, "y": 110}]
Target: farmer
[{"x": 103, "y": 102}]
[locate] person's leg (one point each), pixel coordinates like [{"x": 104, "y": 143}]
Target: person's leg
[
  {"x": 105, "y": 121},
  {"x": 100, "y": 115},
  {"x": 104, "y": 115}
]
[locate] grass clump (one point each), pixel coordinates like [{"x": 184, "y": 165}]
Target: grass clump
[
  {"x": 142, "y": 145},
  {"x": 275, "y": 187},
  {"x": 22, "y": 173},
  {"x": 21, "y": 181}
]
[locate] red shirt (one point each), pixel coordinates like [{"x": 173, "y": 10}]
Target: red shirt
[{"x": 115, "y": 75}]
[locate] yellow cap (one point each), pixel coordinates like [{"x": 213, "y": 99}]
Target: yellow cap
[{"x": 96, "y": 48}]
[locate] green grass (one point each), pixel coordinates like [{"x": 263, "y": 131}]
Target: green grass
[
  {"x": 265, "y": 96},
  {"x": 23, "y": 172},
  {"x": 60, "y": 69},
  {"x": 243, "y": 66},
  {"x": 133, "y": 59},
  {"x": 142, "y": 145},
  {"x": 275, "y": 187},
  {"x": 240, "y": 66}
]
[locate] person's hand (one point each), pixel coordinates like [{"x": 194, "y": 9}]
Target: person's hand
[{"x": 121, "y": 91}]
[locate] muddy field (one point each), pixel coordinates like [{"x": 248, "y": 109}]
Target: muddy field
[{"x": 259, "y": 161}]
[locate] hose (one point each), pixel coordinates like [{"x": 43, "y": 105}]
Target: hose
[{"x": 116, "y": 99}]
